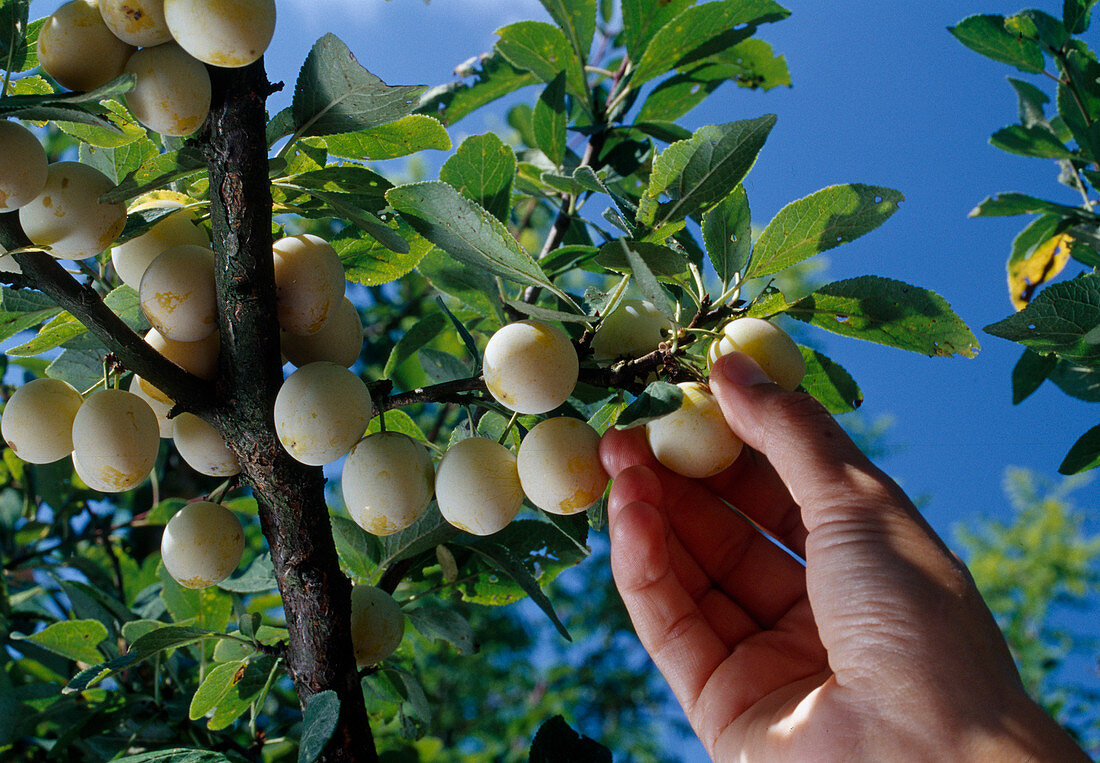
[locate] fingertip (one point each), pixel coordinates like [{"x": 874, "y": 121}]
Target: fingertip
[
  {"x": 740, "y": 370},
  {"x": 623, "y": 448},
  {"x": 639, "y": 550},
  {"x": 634, "y": 483}
]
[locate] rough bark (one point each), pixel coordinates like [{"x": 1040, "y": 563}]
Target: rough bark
[{"x": 293, "y": 514}]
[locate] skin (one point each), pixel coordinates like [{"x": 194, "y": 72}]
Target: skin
[{"x": 879, "y": 648}]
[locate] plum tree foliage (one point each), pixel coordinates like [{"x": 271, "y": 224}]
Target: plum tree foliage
[
  {"x": 1056, "y": 316},
  {"x": 563, "y": 277}
]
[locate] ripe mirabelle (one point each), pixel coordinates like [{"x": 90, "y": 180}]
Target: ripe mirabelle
[
  {"x": 309, "y": 282},
  {"x": 202, "y": 544},
  {"x": 477, "y": 486},
  {"x": 132, "y": 257},
  {"x": 137, "y": 22},
  {"x": 377, "y": 625},
  {"x": 67, "y": 215},
  {"x": 694, "y": 440},
  {"x": 530, "y": 366},
  {"x": 632, "y": 329},
  {"x": 559, "y": 466},
  {"x": 115, "y": 440},
  {"x": 38, "y": 420},
  {"x": 23, "y": 166},
  {"x": 340, "y": 340},
  {"x": 387, "y": 482},
  {"x": 77, "y": 49},
  {"x": 227, "y": 33},
  {"x": 321, "y": 411},
  {"x": 202, "y": 447},
  {"x": 172, "y": 92},
  {"x": 178, "y": 295},
  {"x": 161, "y": 408},
  {"x": 767, "y": 344},
  {"x": 200, "y": 358}
]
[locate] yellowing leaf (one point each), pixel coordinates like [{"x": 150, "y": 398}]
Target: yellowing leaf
[{"x": 1027, "y": 274}]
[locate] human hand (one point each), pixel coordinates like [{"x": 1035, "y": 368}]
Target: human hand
[{"x": 879, "y": 648}]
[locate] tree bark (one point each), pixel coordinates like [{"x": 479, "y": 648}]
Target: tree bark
[{"x": 293, "y": 513}]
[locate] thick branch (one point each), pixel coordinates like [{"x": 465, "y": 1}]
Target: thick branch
[
  {"x": 316, "y": 594},
  {"x": 86, "y": 304}
]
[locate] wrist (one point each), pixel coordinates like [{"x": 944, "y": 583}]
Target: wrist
[{"x": 1021, "y": 731}]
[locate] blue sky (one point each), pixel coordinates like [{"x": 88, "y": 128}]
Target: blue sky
[{"x": 882, "y": 95}]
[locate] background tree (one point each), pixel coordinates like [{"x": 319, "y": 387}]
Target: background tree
[{"x": 556, "y": 228}]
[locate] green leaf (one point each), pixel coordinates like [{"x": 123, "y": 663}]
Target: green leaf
[
  {"x": 443, "y": 624},
  {"x": 1031, "y": 102},
  {"x": 178, "y": 755},
  {"x": 258, "y": 673},
  {"x": 320, "y": 717},
  {"x": 659, "y": 399},
  {"x": 643, "y": 18},
  {"x": 1081, "y": 382},
  {"x": 647, "y": 282},
  {"x": 422, "y": 535},
  {"x": 421, "y": 332},
  {"x": 13, "y": 29},
  {"x": 218, "y": 682},
  {"x": 660, "y": 260},
  {"x": 1063, "y": 319},
  {"x": 152, "y": 643},
  {"x": 123, "y": 300},
  {"x": 1030, "y": 371},
  {"x": 473, "y": 287},
  {"x": 577, "y": 19},
  {"x": 258, "y": 577},
  {"x": 986, "y": 34},
  {"x": 408, "y": 135},
  {"x": 546, "y": 313},
  {"x": 1084, "y": 455},
  {"x": 496, "y": 79},
  {"x": 357, "y": 549},
  {"x": 549, "y": 120},
  {"x": 1075, "y": 15},
  {"x": 123, "y": 129},
  {"x": 830, "y": 383},
  {"x": 73, "y": 639},
  {"x": 556, "y": 741},
  {"x": 1037, "y": 141},
  {"x": 502, "y": 558},
  {"x": 157, "y": 172},
  {"x": 335, "y": 94},
  {"x": 889, "y": 312},
  {"x": 396, "y": 421},
  {"x": 21, "y": 309},
  {"x": 441, "y": 366},
  {"x": 483, "y": 170},
  {"x": 823, "y": 220},
  {"x": 467, "y": 232},
  {"x": 699, "y": 25},
  {"x": 700, "y": 172},
  {"x": 1003, "y": 204},
  {"x": 118, "y": 162},
  {"x": 542, "y": 49},
  {"x": 80, "y": 368},
  {"x": 727, "y": 235},
  {"x": 369, "y": 262}
]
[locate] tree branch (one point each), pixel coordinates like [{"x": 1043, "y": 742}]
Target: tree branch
[{"x": 293, "y": 512}]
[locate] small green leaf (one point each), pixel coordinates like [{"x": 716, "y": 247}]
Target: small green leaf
[
  {"x": 986, "y": 34},
  {"x": 443, "y": 624},
  {"x": 467, "y": 232},
  {"x": 369, "y": 262},
  {"x": 700, "y": 172},
  {"x": 699, "y": 25},
  {"x": 473, "y": 287},
  {"x": 408, "y": 135},
  {"x": 495, "y": 79},
  {"x": 73, "y": 639},
  {"x": 577, "y": 19},
  {"x": 422, "y": 535},
  {"x": 418, "y": 335},
  {"x": 830, "y": 383},
  {"x": 1063, "y": 319},
  {"x": 643, "y": 18},
  {"x": 21, "y": 309},
  {"x": 823, "y": 220},
  {"x": 258, "y": 577},
  {"x": 1030, "y": 371},
  {"x": 217, "y": 683},
  {"x": 1075, "y": 15},
  {"x": 1031, "y": 102},
  {"x": 889, "y": 312},
  {"x": 1084, "y": 455},
  {"x": 335, "y": 94},
  {"x": 157, "y": 172},
  {"x": 178, "y": 755},
  {"x": 647, "y": 282},
  {"x": 1037, "y": 141},
  {"x": 660, "y": 260},
  {"x": 320, "y": 717},
  {"x": 549, "y": 120},
  {"x": 727, "y": 234},
  {"x": 659, "y": 399},
  {"x": 123, "y": 128},
  {"x": 1021, "y": 204},
  {"x": 483, "y": 170},
  {"x": 542, "y": 49},
  {"x": 502, "y": 558}
]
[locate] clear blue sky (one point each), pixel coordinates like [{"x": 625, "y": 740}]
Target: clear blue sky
[{"x": 883, "y": 95}]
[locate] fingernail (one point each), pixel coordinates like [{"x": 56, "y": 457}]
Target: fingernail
[{"x": 738, "y": 368}]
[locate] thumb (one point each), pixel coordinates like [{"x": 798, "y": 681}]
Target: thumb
[{"x": 814, "y": 457}]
